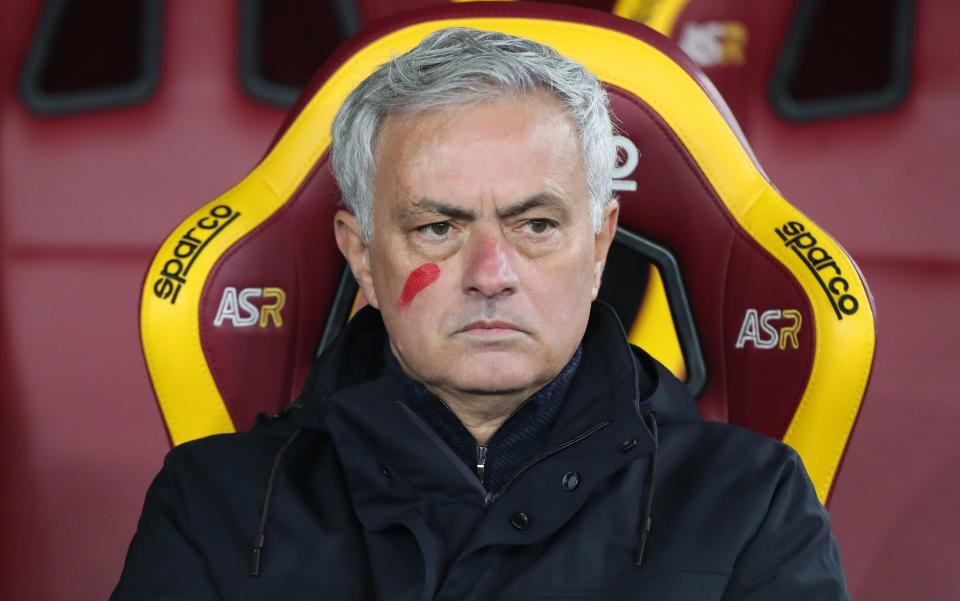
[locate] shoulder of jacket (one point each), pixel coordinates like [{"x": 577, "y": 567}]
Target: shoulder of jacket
[
  {"x": 240, "y": 452},
  {"x": 738, "y": 439},
  {"x": 730, "y": 452}
]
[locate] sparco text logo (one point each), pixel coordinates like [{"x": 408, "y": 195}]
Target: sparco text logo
[
  {"x": 822, "y": 265},
  {"x": 238, "y": 307},
  {"x": 173, "y": 275},
  {"x": 758, "y": 329}
]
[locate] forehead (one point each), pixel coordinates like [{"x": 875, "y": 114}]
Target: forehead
[{"x": 501, "y": 149}]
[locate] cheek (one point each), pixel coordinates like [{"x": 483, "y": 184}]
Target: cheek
[
  {"x": 559, "y": 289},
  {"x": 419, "y": 278}
]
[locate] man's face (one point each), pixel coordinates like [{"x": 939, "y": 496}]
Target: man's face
[{"x": 483, "y": 261}]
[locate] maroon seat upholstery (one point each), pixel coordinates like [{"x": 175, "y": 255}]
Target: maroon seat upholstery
[{"x": 775, "y": 324}]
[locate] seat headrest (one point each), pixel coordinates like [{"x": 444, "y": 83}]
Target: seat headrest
[{"x": 236, "y": 299}]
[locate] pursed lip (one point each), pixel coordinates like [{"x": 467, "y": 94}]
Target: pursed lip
[{"x": 490, "y": 326}]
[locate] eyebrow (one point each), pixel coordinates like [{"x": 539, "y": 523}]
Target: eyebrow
[
  {"x": 544, "y": 199},
  {"x": 428, "y": 205}
]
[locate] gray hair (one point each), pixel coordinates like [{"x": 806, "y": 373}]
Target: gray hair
[{"x": 458, "y": 65}]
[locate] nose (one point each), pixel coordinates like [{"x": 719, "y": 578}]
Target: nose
[{"x": 490, "y": 271}]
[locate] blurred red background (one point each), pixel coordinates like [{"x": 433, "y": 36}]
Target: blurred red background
[{"x": 118, "y": 119}]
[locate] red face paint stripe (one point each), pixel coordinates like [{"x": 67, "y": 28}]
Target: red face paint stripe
[{"x": 419, "y": 278}]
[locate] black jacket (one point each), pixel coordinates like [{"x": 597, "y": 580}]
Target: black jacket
[{"x": 351, "y": 495}]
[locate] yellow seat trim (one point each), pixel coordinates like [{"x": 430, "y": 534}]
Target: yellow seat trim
[
  {"x": 653, "y": 329},
  {"x": 185, "y": 388},
  {"x": 659, "y": 15}
]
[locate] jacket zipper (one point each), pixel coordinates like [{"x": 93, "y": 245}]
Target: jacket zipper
[
  {"x": 538, "y": 458},
  {"x": 481, "y": 461},
  {"x": 484, "y": 447}
]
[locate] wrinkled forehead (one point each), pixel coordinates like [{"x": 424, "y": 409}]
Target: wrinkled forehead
[
  {"x": 510, "y": 147},
  {"x": 448, "y": 117}
]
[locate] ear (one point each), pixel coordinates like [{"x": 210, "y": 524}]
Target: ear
[
  {"x": 356, "y": 252},
  {"x": 603, "y": 240}
]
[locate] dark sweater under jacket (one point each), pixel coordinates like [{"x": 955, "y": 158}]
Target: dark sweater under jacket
[
  {"x": 353, "y": 495},
  {"x": 518, "y": 439}
]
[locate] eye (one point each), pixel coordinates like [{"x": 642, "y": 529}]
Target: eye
[
  {"x": 438, "y": 229},
  {"x": 540, "y": 226}
]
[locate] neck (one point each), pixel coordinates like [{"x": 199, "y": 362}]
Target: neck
[{"x": 483, "y": 414}]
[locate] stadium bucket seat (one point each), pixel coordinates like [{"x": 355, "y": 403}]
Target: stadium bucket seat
[{"x": 763, "y": 314}]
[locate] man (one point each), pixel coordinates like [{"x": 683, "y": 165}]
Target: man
[{"x": 483, "y": 430}]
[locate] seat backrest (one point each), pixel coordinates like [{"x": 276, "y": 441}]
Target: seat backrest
[{"x": 774, "y": 322}]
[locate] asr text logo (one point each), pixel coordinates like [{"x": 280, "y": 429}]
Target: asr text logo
[
  {"x": 173, "y": 274},
  {"x": 623, "y": 170},
  {"x": 822, "y": 265},
  {"x": 715, "y": 43},
  {"x": 758, "y": 329},
  {"x": 238, "y": 307}
]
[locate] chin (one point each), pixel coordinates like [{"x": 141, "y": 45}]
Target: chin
[{"x": 498, "y": 372}]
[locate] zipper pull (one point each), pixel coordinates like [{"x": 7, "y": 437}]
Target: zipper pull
[{"x": 481, "y": 461}]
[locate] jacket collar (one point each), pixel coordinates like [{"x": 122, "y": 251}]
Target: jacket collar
[
  {"x": 515, "y": 441},
  {"x": 391, "y": 458}
]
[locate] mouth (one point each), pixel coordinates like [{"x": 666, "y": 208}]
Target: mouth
[{"x": 491, "y": 329}]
